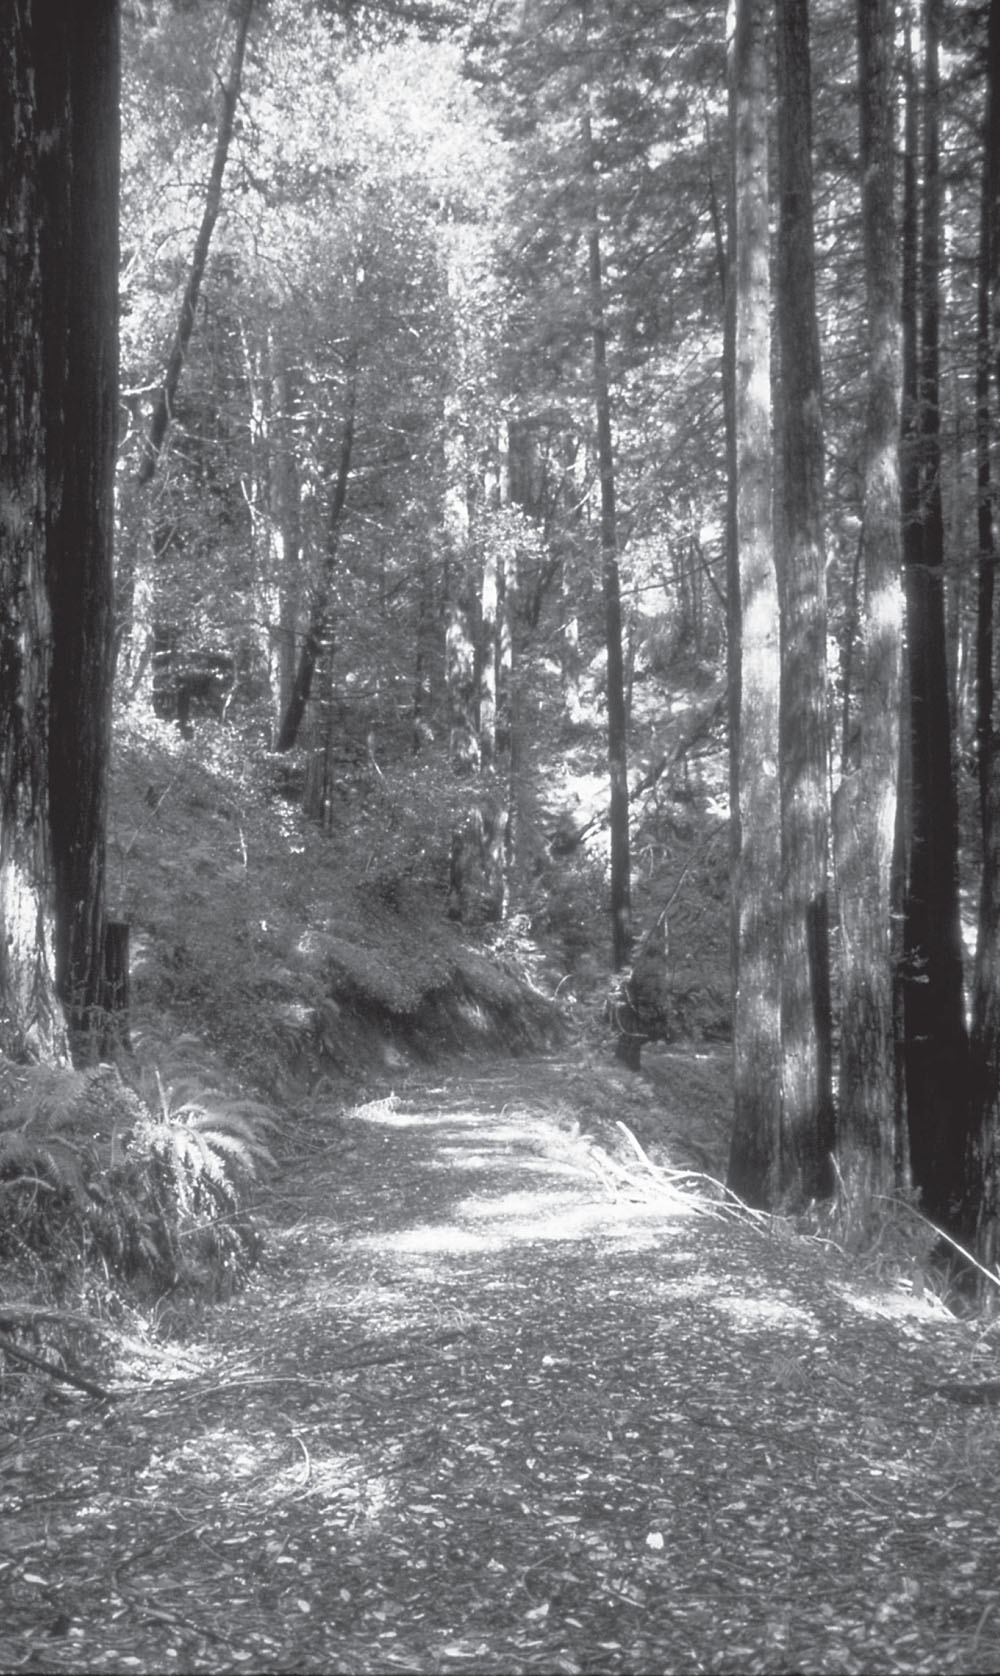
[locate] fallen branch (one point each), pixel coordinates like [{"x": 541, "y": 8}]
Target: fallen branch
[
  {"x": 681, "y": 1183},
  {"x": 190, "y": 1388},
  {"x": 93, "y": 1390}
]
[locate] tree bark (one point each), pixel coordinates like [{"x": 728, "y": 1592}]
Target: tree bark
[
  {"x": 982, "y": 1188},
  {"x": 868, "y": 1141},
  {"x": 807, "y": 1134},
  {"x": 754, "y": 1159},
  {"x": 621, "y": 887},
  {"x": 77, "y": 58},
  {"x": 129, "y": 582},
  {"x": 229, "y": 94},
  {"x": 935, "y": 1035},
  {"x": 319, "y": 618},
  {"x": 31, "y": 1023}
]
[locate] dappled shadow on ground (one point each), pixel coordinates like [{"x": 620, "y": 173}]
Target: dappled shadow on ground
[{"x": 483, "y": 1411}]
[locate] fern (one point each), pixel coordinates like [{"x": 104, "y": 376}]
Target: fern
[{"x": 146, "y": 1181}]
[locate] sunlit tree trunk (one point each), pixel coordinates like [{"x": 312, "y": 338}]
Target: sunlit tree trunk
[
  {"x": 133, "y": 586},
  {"x": 754, "y": 1159},
  {"x": 621, "y": 888},
  {"x": 316, "y": 639},
  {"x": 285, "y": 533},
  {"x": 807, "y": 1131},
  {"x": 868, "y": 1131},
  {"x": 489, "y": 645}
]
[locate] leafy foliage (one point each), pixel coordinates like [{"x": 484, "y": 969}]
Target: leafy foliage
[{"x": 147, "y": 1182}]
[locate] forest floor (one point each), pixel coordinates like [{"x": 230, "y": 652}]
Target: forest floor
[{"x": 490, "y": 1405}]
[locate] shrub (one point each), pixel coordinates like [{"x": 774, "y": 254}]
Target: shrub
[{"x": 147, "y": 1181}]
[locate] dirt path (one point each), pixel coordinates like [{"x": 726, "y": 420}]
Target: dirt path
[{"x": 477, "y": 1415}]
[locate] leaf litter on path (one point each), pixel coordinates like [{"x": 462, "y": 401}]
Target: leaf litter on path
[{"x": 487, "y": 1408}]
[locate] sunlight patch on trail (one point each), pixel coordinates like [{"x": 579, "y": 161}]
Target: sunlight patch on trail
[
  {"x": 523, "y": 1219},
  {"x": 267, "y": 1467},
  {"x": 748, "y": 1314}
]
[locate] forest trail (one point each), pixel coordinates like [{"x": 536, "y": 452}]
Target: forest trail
[{"x": 480, "y": 1412}]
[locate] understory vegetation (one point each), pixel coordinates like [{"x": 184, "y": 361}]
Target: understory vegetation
[
  {"x": 283, "y": 967},
  {"x": 279, "y": 962}
]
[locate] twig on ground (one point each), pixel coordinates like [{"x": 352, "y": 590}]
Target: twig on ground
[{"x": 8, "y": 1346}]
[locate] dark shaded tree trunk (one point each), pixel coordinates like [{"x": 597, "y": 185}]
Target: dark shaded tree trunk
[
  {"x": 807, "y": 1117},
  {"x": 868, "y": 1141},
  {"x": 936, "y": 1048},
  {"x": 982, "y": 1187},
  {"x": 621, "y": 885},
  {"x": 317, "y": 632},
  {"x": 754, "y": 1159},
  {"x": 31, "y": 1022},
  {"x": 77, "y": 57},
  {"x": 641, "y": 1009},
  {"x": 277, "y": 521}
]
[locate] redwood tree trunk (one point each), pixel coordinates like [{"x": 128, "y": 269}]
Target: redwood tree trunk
[
  {"x": 77, "y": 58},
  {"x": 754, "y": 1158},
  {"x": 807, "y": 1120},
  {"x": 868, "y": 1135},
  {"x": 982, "y": 1188},
  {"x": 31, "y": 1024},
  {"x": 935, "y": 1043},
  {"x": 621, "y": 886},
  {"x": 318, "y": 630}
]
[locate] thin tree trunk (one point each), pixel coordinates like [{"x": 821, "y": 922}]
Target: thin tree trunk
[
  {"x": 284, "y": 530},
  {"x": 867, "y": 800},
  {"x": 806, "y": 1025},
  {"x": 128, "y": 582},
  {"x": 489, "y": 606},
  {"x": 230, "y": 92},
  {"x": 754, "y": 1159},
  {"x": 318, "y": 629},
  {"x": 621, "y": 909}
]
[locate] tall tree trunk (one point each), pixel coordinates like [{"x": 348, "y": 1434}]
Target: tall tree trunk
[
  {"x": 726, "y": 259},
  {"x": 754, "y": 1158},
  {"x": 78, "y": 92},
  {"x": 621, "y": 888},
  {"x": 156, "y": 432},
  {"x": 31, "y": 1023},
  {"x": 936, "y": 1043},
  {"x": 489, "y": 645},
  {"x": 318, "y": 629},
  {"x": 807, "y": 1134},
  {"x": 982, "y": 1188},
  {"x": 868, "y": 1141},
  {"x": 229, "y": 94},
  {"x": 285, "y": 527}
]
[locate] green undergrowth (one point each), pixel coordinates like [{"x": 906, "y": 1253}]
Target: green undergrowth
[
  {"x": 298, "y": 953},
  {"x": 279, "y": 964},
  {"x": 118, "y": 1191}
]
